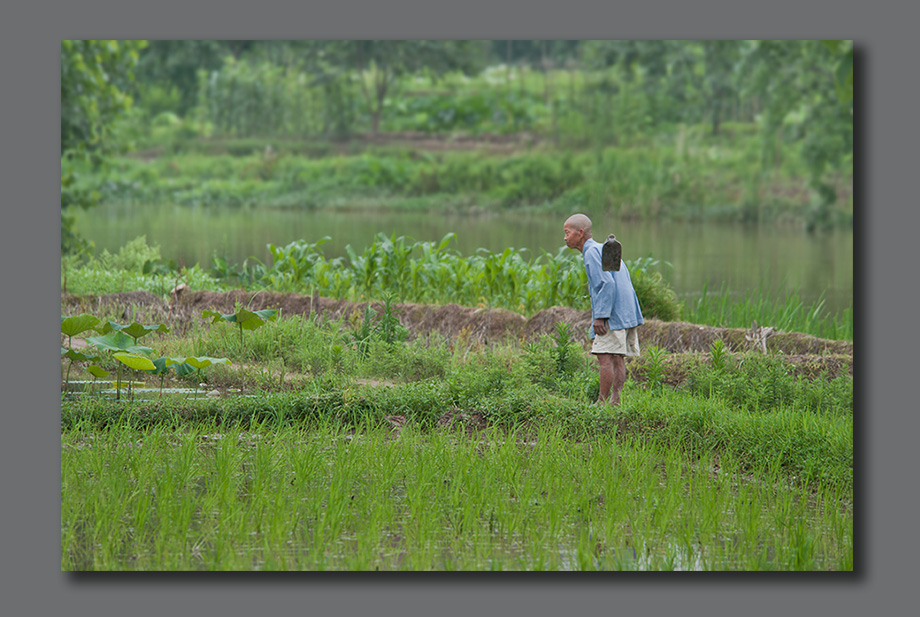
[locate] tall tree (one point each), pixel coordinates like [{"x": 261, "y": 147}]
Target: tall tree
[
  {"x": 719, "y": 85},
  {"x": 669, "y": 72},
  {"x": 175, "y": 63},
  {"x": 807, "y": 90},
  {"x": 382, "y": 62},
  {"x": 95, "y": 78}
]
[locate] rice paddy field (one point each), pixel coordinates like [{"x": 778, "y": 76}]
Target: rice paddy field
[
  {"x": 355, "y": 445},
  {"x": 328, "y": 499}
]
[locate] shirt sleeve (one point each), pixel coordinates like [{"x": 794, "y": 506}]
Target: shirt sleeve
[{"x": 603, "y": 284}]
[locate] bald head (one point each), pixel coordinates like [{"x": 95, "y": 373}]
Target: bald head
[
  {"x": 579, "y": 222},
  {"x": 577, "y": 230}
]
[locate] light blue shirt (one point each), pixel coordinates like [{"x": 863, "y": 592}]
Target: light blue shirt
[{"x": 612, "y": 293}]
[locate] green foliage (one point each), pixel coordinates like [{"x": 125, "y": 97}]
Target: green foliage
[
  {"x": 764, "y": 383},
  {"x": 72, "y": 326},
  {"x": 92, "y": 278},
  {"x": 717, "y": 356},
  {"x": 121, "y": 340},
  {"x": 750, "y": 405},
  {"x": 134, "y": 361},
  {"x": 95, "y": 77},
  {"x": 135, "y": 256},
  {"x": 97, "y": 371},
  {"x": 565, "y": 351},
  {"x": 655, "y": 366},
  {"x": 135, "y": 330},
  {"x": 414, "y": 361},
  {"x": 789, "y": 314},
  {"x": 807, "y": 91},
  {"x": 118, "y": 341},
  {"x": 684, "y": 177},
  {"x": 384, "y": 327},
  {"x": 243, "y": 318},
  {"x": 656, "y": 299}
]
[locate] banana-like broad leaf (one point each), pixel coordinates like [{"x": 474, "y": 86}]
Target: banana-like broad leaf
[
  {"x": 135, "y": 361},
  {"x": 76, "y": 356},
  {"x": 98, "y": 371},
  {"x": 204, "y": 361},
  {"x": 72, "y": 326},
  {"x": 118, "y": 341},
  {"x": 136, "y": 330}
]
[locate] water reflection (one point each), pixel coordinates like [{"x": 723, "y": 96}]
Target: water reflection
[{"x": 777, "y": 259}]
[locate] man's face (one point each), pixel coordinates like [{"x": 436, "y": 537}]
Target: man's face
[{"x": 572, "y": 236}]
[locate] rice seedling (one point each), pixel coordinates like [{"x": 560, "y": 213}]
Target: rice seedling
[
  {"x": 227, "y": 499},
  {"x": 787, "y": 313}
]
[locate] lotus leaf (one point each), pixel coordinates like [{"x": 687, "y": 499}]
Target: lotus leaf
[
  {"x": 118, "y": 341},
  {"x": 76, "y": 356},
  {"x": 136, "y": 330},
  {"x": 72, "y": 326},
  {"x": 97, "y": 371},
  {"x": 161, "y": 366},
  {"x": 204, "y": 362},
  {"x": 109, "y": 326},
  {"x": 135, "y": 361},
  {"x": 244, "y": 318}
]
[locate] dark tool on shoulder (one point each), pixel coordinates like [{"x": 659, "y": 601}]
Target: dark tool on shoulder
[{"x": 611, "y": 253}]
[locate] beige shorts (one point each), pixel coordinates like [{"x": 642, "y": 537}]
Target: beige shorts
[{"x": 621, "y": 342}]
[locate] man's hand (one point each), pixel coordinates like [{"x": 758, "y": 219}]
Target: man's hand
[{"x": 600, "y": 327}]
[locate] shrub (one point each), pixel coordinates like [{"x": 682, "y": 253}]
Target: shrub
[{"x": 656, "y": 299}]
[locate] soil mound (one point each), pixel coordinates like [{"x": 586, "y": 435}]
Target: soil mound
[{"x": 451, "y": 320}]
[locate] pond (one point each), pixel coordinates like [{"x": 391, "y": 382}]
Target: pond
[{"x": 775, "y": 259}]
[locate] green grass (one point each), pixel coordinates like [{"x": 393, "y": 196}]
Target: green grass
[
  {"x": 742, "y": 467},
  {"x": 302, "y": 371},
  {"x": 324, "y": 499},
  {"x": 789, "y": 314},
  {"x": 676, "y": 178}
]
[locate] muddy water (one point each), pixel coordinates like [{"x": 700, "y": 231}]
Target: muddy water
[{"x": 777, "y": 259}]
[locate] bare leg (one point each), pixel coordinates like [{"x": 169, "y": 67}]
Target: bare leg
[
  {"x": 605, "y": 362},
  {"x": 619, "y": 377}
]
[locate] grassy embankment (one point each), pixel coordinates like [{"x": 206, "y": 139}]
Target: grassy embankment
[{"x": 669, "y": 176}]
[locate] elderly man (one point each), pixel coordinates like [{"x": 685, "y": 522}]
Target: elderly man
[{"x": 614, "y": 307}]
